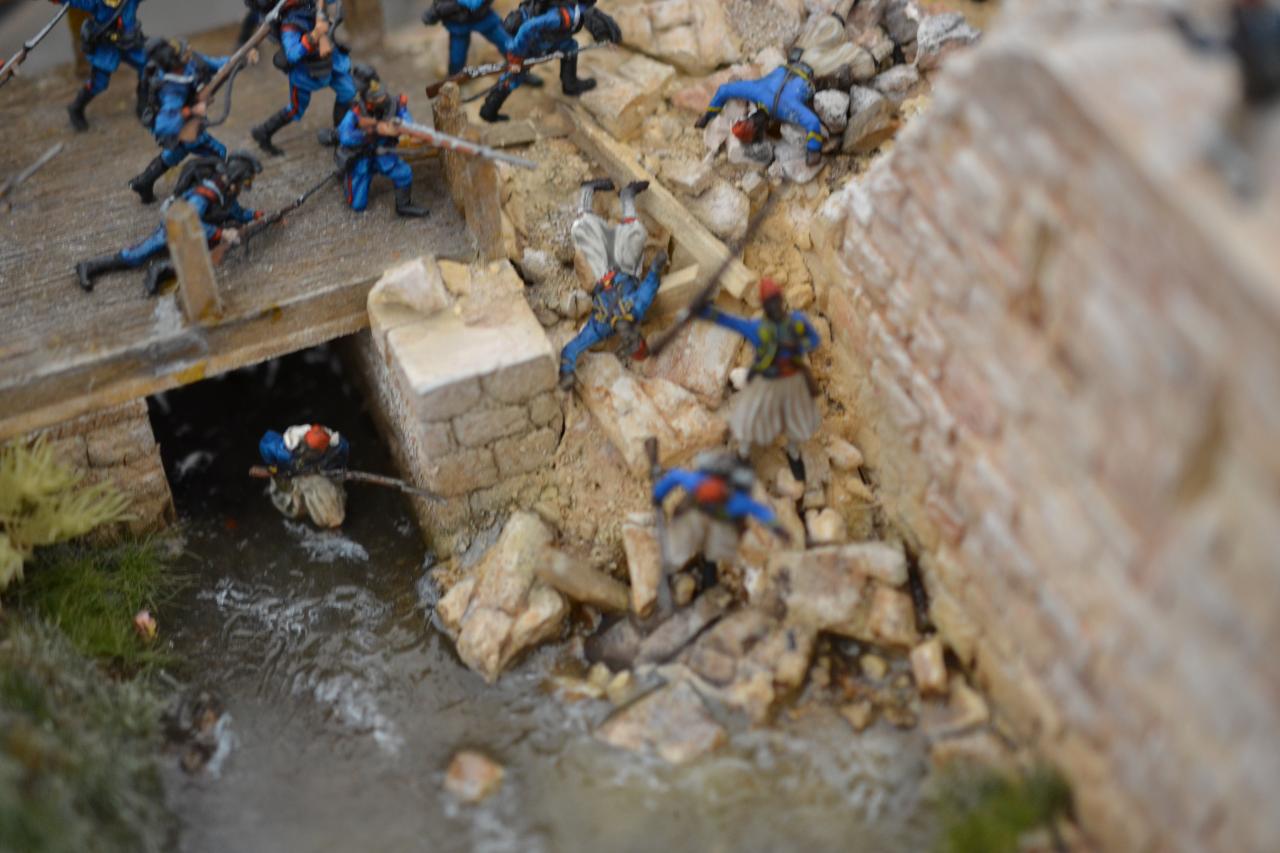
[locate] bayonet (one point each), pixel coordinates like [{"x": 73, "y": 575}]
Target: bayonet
[{"x": 10, "y": 68}]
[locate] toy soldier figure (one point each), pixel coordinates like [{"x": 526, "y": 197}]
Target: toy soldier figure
[
  {"x": 167, "y": 101},
  {"x": 614, "y": 255},
  {"x": 213, "y": 188},
  {"x": 110, "y": 33},
  {"x": 779, "y": 397},
  {"x": 313, "y": 62},
  {"x": 550, "y": 31},
  {"x": 461, "y": 18},
  {"x": 301, "y": 461},
  {"x": 366, "y": 146},
  {"x": 785, "y": 95},
  {"x": 711, "y": 519}
]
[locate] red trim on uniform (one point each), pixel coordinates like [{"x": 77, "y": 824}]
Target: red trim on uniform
[
  {"x": 568, "y": 20},
  {"x": 207, "y": 193},
  {"x": 306, "y": 43},
  {"x": 217, "y": 237},
  {"x": 628, "y": 220}
]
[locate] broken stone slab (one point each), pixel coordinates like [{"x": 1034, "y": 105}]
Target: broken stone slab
[
  {"x": 472, "y": 776},
  {"x": 689, "y": 176},
  {"x": 791, "y": 162},
  {"x": 901, "y": 20},
  {"x": 870, "y": 121},
  {"x": 929, "y": 668},
  {"x": 859, "y": 715},
  {"x": 629, "y": 409},
  {"x": 406, "y": 293},
  {"x": 698, "y": 359},
  {"x": 626, "y": 97},
  {"x": 826, "y": 527},
  {"x": 501, "y": 609},
  {"x": 750, "y": 661},
  {"x": 832, "y": 106},
  {"x": 964, "y": 711},
  {"x": 831, "y": 588},
  {"x": 892, "y": 621},
  {"x": 844, "y": 455},
  {"x": 616, "y": 646},
  {"x": 693, "y": 35},
  {"x": 671, "y": 722},
  {"x": 724, "y": 209},
  {"x": 939, "y": 35},
  {"x": 580, "y": 582},
  {"x": 644, "y": 561},
  {"x": 696, "y": 96},
  {"x": 676, "y": 632},
  {"x": 897, "y": 84}
]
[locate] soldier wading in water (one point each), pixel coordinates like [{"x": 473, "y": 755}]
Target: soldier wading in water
[{"x": 301, "y": 462}]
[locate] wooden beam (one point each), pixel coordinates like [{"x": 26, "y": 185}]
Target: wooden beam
[
  {"x": 189, "y": 249},
  {"x": 473, "y": 181},
  {"x": 622, "y": 164}
]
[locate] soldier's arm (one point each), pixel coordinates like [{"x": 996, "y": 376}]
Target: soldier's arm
[
  {"x": 297, "y": 44},
  {"x": 82, "y": 5},
  {"x": 242, "y": 214},
  {"x": 402, "y": 109},
  {"x": 534, "y": 29},
  {"x": 741, "y": 506},
  {"x": 472, "y": 5},
  {"x": 812, "y": 340},
  {"x": 349, "y": 133},
  {"x": 674, "y": 478},
  {"x": 272, "y": 450},
  {"x": 749, "y": 329},
  {"x": 171, "y": 116}
]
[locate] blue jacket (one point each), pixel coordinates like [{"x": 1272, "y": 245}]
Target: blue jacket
[
  {"x": 620, "y": 296},
  {"x": 102, "y": 13},
  {"x": 778, "y": 345},
  {"x": 273, "y": 451},
  {"x": 207, "y": 199},
  {"x": 351, "y": 136},
  {"x": 176, "y": 92},
  {"x": 737, "y": 507},
  {"x": 541, "y": 34}
]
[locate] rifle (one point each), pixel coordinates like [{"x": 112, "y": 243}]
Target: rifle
[
  {"x": 452, "y": 143},
  {"x": 10, "y": 68},
  {"x": 253, "y": 229},
  {"x": 705, "y": 296},
  {"x": 475, "y": 71},
  {"x": 262, "y": 472},
  {"x": 660, "y": 525},
  {"x": 191, "y": 130}
]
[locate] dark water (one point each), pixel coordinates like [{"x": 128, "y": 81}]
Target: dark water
[{"x": 346, "y": 705}]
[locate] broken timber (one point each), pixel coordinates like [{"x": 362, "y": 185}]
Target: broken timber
[
  {"x": 623, "y": 166},
  {"x": 189, "y": 249}
]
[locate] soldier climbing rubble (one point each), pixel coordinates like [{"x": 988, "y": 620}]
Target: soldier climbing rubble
[
  {"x": 614, "y": 255},
  {"x": 300, "y": 462},
  {"x": 779, "y": 397}
]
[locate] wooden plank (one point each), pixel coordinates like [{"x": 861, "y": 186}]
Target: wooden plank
[
  {"x": 677, "y": 290},
  {"x": 473, "y": 181},
  {"x": 622, "y": 164},
  {"x": 189, "y": 249}
]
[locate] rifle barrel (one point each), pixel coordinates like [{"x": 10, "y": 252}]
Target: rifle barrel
[{"x": 9, "y": 69}]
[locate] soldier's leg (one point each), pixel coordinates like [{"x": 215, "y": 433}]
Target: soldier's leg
[
  {"x": 570, "y": 83},
  {"x": 357, "y": 185},
  {"x": 344, "y": 92},
  {"x": 130, "y": 258},
  {"x": 592, "y": 236},
  {"x": 592, "y": 333},
  {"x": 207, "y": 145},
  {"x": 144, "y": 183},
  {"x": 299, "y": 99},
  {"x": 402, "y": 178},
  {"x": 497, "y": 96},
  {"x": 459, "y": 45},
  {"x": 794, "y": 111},
  {"x": 630, "y": 236},
  {"x": 99, "y": 78}
]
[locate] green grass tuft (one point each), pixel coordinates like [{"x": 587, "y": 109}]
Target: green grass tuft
[
  {"x": 92, "y": 594},
  {"x": 990, "y": 812},
  {"x": 78, "y": 750}
]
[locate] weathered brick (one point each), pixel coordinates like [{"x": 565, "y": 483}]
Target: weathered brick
[
  {"x": 904, "y": 413},
  {"x": 484, "y": 425},
  {"x": 524, "y": 453}
]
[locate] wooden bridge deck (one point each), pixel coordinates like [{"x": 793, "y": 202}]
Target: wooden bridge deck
[{"x": 64, "y": 352}]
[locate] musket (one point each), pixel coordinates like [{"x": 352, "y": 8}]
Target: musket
[
  {"x": 707, "y": 295},
  {"x": 453, "y": 143},
  {"x": 191, "y": 130},
  {"x": 13, "y": 183},
  {"x": 660, "y": 526},
  {"x": 10, "y": 68},
  {"x": 475, "y": 71},
  {"x": 253, "y": 229},
  {"x": 261, "y": 472}
]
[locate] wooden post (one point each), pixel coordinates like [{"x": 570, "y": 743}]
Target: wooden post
[
  {"x": 189, "y": 250},
  {"x": 473, "y": 181}
]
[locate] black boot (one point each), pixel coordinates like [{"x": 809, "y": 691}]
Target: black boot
[
  {"x": 76, "y": 110},
  {"x": 157, "y": 274},
  {"x": 492, "y": 103},
  {"x": 87, "y": 271},
  {"x": 144, "y": 184},
  {"x": 405, "y": 205},
  {"x": 262, "y": 133},
  {"x": 329, "y": 136},
  {"x": 570, "y": 83}
]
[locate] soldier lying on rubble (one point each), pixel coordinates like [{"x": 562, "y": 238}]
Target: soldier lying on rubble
[
  {"x": 614, "y": 255},
  {"x": 301, "y": 462}
]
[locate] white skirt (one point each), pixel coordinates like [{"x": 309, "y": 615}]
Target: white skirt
[
  {"x": 321, "y": 498},
  {"x": 767, "y": 408},
  {"x": 693, "y": 532}
]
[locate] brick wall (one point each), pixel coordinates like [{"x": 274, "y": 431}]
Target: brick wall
[
  {"x": 1061, "y": 337},
  {"x": 117, "y": 444}
]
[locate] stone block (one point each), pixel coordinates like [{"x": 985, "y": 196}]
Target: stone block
[
  {"x": 481, "y": 426},
  {"x": 626, "y": 97},
  {"x": 119, "y": 444},
  {"x": 724, "y": 209},
  {"x": 939, "y": 35},
  {"x": 929, "y": 668},
  {"x": 698, "y": 359},
  {"x": 892, "y": 620},
  {"x": 461, "y": 472},
  {"x": 644, "y": 562},
  {"x": 522, "y": 454},
  {"x": 693, "y": 35}
]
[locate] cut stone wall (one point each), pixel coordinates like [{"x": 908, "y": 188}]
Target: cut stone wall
[
  {"x": 1062, "y": 339},
  {"x": 117, "y": 444},
  {"x": 465, "y": 378}
]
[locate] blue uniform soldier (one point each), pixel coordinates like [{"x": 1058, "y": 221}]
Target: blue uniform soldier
[
  {"x": 110, "y": 34},
  {"x": 713, "y": 516},
  {"x": 779, "y": 397},
  {"x": 213, "y": 188},
  {"x": 461, "y": 18},
  {"x": 313, "y": 62},
  {"x": 300, "y": 461},
  {"x": 614, "y": 255},
  {"x": 546, "y": 32},
  {"x": 366, "y": 146},
  {"x": 785, "y": 95},
  {"x": 173, "y": 76}
]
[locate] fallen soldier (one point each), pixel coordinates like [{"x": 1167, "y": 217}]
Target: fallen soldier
[{"x": 302, "y": 462}]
